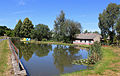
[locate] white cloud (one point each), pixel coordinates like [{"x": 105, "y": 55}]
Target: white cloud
[
  {"x": 2, "y": 25},
  {"x": 22, "y": 2}
]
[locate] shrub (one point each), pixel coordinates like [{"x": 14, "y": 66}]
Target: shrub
[
  {"x": 95, "y": 53},
  {"x": 44, "y": 39}
]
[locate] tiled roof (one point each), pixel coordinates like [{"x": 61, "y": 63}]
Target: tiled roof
[{"x": 87, "y": 36}]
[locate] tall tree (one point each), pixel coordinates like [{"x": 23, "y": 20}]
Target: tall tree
[
  {"x": 70, "y": 29},
  {"x": 65, "y": 29},
  {"x": 107, "y": 21},
  {"x": 17, "y": 28},
  {"x": 118, "y": 30},
  {"x": 58, "y": 26},
  {"x": 86, "y": 31},
  {"x": 26, "y": 28},
  {"x": 41, "y": 31}
]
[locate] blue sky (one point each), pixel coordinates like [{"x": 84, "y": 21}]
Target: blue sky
[{"x": 45, "y": 11}]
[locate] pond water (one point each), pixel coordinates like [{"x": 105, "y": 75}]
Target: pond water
[{"x": 50, "y": 59}]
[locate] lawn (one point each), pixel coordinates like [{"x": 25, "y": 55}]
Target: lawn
[
  {"x": 108, "y": 66},
  {"x": 4, "y": 58}
]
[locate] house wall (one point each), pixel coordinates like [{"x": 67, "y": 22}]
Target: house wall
[
  {"x": 97, "y": 38},
  {"x": 85, "y": 42}
]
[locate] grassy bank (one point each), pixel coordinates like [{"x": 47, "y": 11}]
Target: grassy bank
[
  {"x": 1, "y": 38},
  {"x": 58, "y": 43},
  {"x": 103, "y": 67},
  {"x": 4, "y": 58}
]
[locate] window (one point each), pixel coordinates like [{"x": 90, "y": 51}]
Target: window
[{"x": 80, "y": 40}]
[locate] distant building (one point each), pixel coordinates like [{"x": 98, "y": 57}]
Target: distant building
[{"x": 87, "y": 38}]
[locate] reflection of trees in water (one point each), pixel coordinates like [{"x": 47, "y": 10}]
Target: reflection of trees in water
[
  {"x": 63, "y": 56},
  {"x": 74, "y": 51},
  {"x": 27, "y": 50},
  {"x": 43, "y": 50}
]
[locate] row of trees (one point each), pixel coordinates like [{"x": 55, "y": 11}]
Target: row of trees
[
  {"x": 6, "y": 31},
  {"x": 27, "y": 29},
  {"x": 64, "y": 29},
  {"x": 86, "y": 31},
  {"x": 109, "y": 23}
]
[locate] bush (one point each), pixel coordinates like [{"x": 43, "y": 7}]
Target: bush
[
  {"x": 95, "y": 53},
  {"x": 44, "y": 39}
]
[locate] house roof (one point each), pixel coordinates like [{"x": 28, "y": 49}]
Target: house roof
[{"x": 87, "y": 36}]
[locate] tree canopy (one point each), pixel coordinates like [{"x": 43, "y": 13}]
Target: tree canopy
[
  {"x": 26, "y": 28},
  {"x": 107, "y": 21},
  {"x": 18, "y": 28},
  {"x": 41, "y": 31},
  {"x": 65, "y": 29},
  {"x": 6, "y": 31}
]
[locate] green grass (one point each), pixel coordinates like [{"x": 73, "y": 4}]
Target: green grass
[
  {"x": 58, "y": 43},
  {"x": 108, "y": 57},
  {"x": 4, "y": 52},
  {"x": 0, "y": 37}
]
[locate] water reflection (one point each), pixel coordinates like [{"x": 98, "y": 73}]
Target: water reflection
[
  {"x": 39, "y": 57},
  {"x": 63, "y": 56},
  {"x": 27, "y": 50}
]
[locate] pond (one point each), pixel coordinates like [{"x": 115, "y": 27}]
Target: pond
[{"x": 50, "y": 59}]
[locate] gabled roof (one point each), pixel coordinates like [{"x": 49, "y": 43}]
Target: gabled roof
[{"x": 87, "y": 36}]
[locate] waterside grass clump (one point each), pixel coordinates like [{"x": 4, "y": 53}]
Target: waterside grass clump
[
  {"x": 80, "y": 62},
  {"x": 94, "y": 56}
]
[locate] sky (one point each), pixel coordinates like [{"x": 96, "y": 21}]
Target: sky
[{"x": 45, "y": 12}]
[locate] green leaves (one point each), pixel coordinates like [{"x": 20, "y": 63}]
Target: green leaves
[
  {"x": 95, "y": 52},
  {"x": 17, "y": 28},
  {"x": 107, "y": 21},
  {"x": 118, "y": 31},
  {"x": 6, "y": 31},
  {"x": 65, "y": 29},
  {"x": 41, "y": 31},
  {"x": 26, "y": 28}
]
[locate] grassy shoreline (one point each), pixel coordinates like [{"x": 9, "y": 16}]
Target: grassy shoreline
[
  {"x": 109, "y": 57},
  {"x": 4, "y": 58},
  {"x": 58, "y": 43}
]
